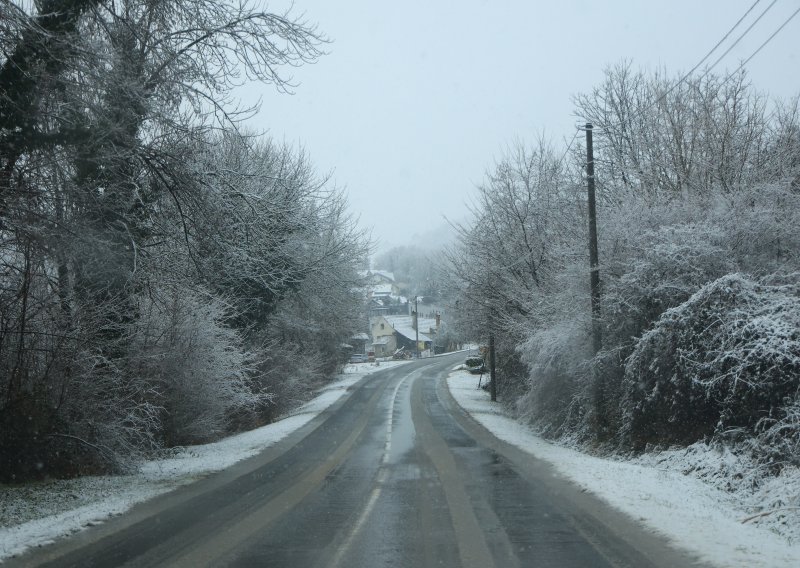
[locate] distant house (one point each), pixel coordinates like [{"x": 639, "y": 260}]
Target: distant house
[
  {"x": 382, "y": 294},
  {"x": 386, "y": 306},
  {"x": 383, "y": 339},
  {"x": 391, "y": 332},
  {"x": 382, "y": 279},
  {"x": 382, "y": 290},
  {"x": 381, "y": 276}
]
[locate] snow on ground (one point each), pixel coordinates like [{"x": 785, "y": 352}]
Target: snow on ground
[
  {"x": 699, "y": 517},
  {"x": 36, "y": 514}
]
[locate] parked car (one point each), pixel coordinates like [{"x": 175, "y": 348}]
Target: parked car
[
  {"x": 371, "y": 356},
  {"x": 358, "y": 358}
]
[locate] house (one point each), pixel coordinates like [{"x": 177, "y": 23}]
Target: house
[
  {"x": 384, "y": 342},
  {"x": 382, "y": 294},
  {"x": 391, "y": 332},
  {"x": 380, "y": 278},
  {"x": 387, "y": 306}
]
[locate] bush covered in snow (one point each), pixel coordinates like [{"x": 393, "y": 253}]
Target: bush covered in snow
[
  {"x": 726, "y": 361},
  {"x": 557, "y": 396},
  {"x": 656, "y": 267},
  {"x": 194, "y": 365},
  {"x": 664, "y": 268},
  {"x": 690, "y": 349}
]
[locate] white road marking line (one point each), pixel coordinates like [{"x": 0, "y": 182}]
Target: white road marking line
[{"x": 383, "y": 475}]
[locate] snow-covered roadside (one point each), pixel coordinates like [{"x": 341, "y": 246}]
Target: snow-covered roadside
[
  {"x": 33, "y": 515},
  {"x": 698, "y": 517}
]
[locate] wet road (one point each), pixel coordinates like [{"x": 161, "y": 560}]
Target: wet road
[{"x": 394, "y": 475}]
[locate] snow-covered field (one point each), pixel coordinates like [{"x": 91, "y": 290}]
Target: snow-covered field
[
  {"x": 33, "y": 515},
  {"x": 713, "y": 523}
]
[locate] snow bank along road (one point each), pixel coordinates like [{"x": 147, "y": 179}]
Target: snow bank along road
[{"x": 395, "y": 474}]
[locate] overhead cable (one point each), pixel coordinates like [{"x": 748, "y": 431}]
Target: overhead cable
[
  {"x": 707, "y": 55},
  {"x": 769, "y": 39},
  {"x": 744, "y": 33}
]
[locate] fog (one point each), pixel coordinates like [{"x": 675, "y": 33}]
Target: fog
[{"x": 416, "y": 99}]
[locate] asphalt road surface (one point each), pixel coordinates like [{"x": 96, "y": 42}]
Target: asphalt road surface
[{"x": 395, "y": 474}]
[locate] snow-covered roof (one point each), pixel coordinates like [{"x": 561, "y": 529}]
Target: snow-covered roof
[
  {"x": 424, "y": 323},
  {"x": 382, "y": 274},
  {"x": 403, "y": 326},
  {"x": 410, "y": 333},
  {"x": 360, "y": 336},
  {"x": 382, "y": 290}
]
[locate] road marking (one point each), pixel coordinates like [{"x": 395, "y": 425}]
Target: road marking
[
  {"x": 380, "y": 479},
  {"x": 387, "y": 446}
]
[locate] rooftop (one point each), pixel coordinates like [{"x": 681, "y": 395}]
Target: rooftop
[{"x": 403, "y": 326}]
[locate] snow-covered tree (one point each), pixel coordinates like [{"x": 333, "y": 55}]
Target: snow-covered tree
[
  {"x": 106, "y": 110},
  {"x": 659, "y": 136},
  {"x": 696, "y": 181},
  {"x": 507, "y": 256}
]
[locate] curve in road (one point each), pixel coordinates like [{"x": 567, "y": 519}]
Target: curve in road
[{"x": 394, "y": 475}]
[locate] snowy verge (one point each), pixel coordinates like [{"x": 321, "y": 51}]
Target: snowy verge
[
  {"x": 36, "y": 514},
  {"x": 696, "y": 516}
]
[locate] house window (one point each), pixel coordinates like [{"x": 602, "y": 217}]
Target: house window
[{"x": 382, "y": 326}]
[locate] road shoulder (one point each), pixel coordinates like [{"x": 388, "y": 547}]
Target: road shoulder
[
  {"x": 64, "y": 508},
  {"x": 649, "y": 504}
]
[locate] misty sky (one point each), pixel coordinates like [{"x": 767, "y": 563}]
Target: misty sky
[{"x": 416, "y": 99}]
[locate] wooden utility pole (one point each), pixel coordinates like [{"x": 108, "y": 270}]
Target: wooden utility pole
[
  {"x": 416, "y": 324},
  {"x": 594, "y": 262},
  {"x": 492, "y": 375}
]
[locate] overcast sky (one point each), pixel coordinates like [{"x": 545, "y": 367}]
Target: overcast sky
[{"x": 416, "y": 99}]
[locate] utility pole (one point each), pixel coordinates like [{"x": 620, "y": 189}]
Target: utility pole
[
  {"x": 416, "y": 323},
  {"x": 594, "y": 262},
  {"x": 492, "y": 375}
]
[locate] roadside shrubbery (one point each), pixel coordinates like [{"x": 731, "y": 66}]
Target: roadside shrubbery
[
  {"x": 725, "y": 363},
  {"x": 692, "y": 350},
  {"x": 194, "y": 366},
  {"x": 699, "y": 271}
]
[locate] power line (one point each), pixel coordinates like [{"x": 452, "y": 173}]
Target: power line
[
  {"x": 571, "y": 142},
  {"x": 744, "y": 33},
  {"x": 713, "y": 49},
  {"x": 707, "y": 55},
  {"x": 769, "y": 39}
]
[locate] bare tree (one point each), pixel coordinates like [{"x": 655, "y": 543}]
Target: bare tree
[
  {"x": 658, "y": 136},
  {"x": 102, "y": 104}
]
